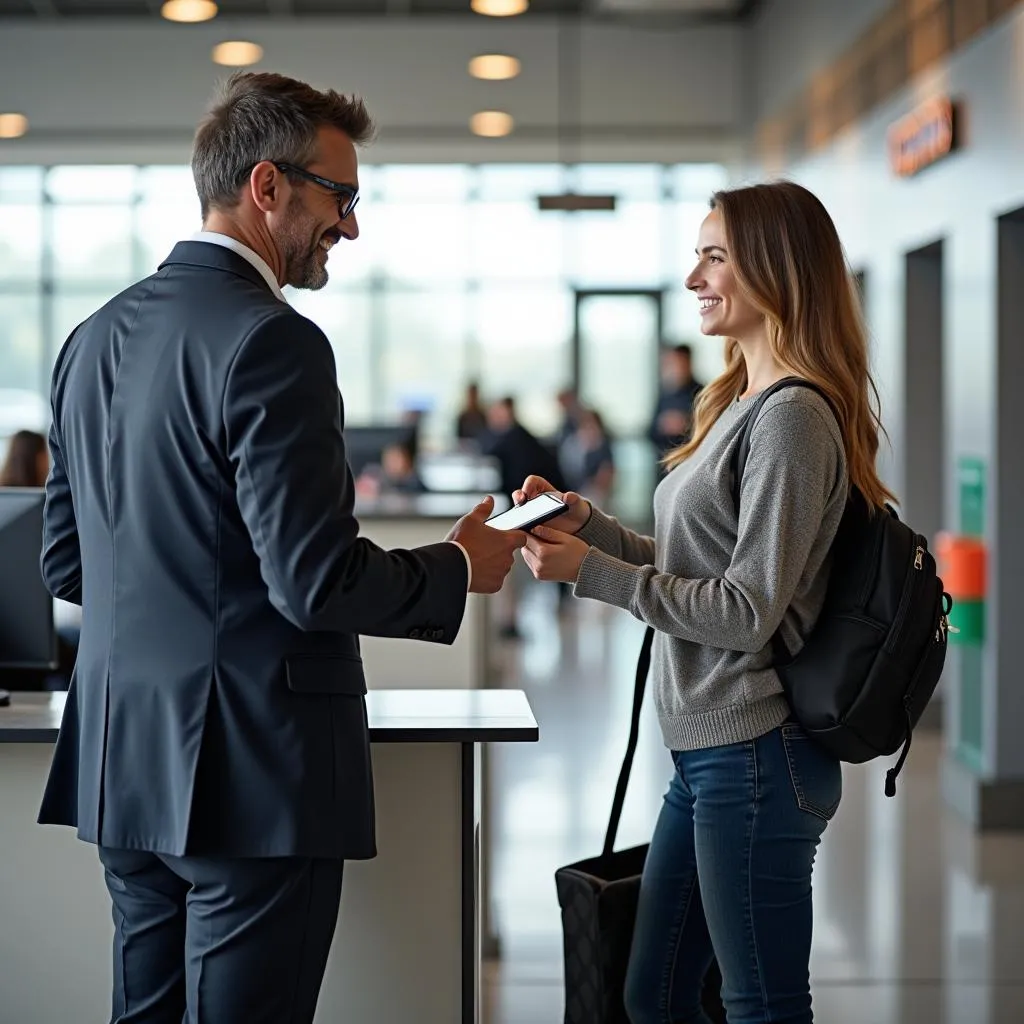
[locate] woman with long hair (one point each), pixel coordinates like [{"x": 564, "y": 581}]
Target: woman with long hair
[
  {"x": 728, "y": 874},
  {"x": 27, "y": 461}
]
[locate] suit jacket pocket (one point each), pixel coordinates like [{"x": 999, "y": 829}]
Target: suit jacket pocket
[{"x": 326, "y": 674}]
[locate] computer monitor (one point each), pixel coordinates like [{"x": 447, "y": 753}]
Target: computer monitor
[{"x": 28, "y": 639}]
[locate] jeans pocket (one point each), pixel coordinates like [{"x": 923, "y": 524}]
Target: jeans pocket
[{"x": 816, "y": 775}]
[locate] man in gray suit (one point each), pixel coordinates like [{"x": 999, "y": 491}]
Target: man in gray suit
[{"x": 200, "y": 509}]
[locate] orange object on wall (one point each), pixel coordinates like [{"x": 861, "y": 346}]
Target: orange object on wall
[
  {"x": 962, "y": 565},
  {"x": 926, "y": 134}
]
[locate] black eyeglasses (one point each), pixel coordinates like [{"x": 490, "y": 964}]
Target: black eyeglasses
[{"x": 346, "y": 195}]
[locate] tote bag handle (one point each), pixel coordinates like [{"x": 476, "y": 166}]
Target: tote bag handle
[{"x": 643, "y": 665}]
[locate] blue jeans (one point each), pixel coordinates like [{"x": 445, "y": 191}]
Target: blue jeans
[{"x": 729, "y": 874}]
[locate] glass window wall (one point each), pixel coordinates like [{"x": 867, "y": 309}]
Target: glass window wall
[{"x": 456, "y": 274}]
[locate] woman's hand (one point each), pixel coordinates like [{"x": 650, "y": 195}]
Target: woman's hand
[
  {"x": 571, "y": 521},
  {"x": 554, "y": 555}
]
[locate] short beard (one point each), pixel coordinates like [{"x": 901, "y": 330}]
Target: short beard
[{"x": 302, "y": 261}]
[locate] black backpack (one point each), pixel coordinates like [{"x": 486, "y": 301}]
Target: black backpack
[{"x": 870, "y": 665}]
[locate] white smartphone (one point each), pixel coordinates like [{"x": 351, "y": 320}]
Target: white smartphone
[{"x": 531, "y": 513}]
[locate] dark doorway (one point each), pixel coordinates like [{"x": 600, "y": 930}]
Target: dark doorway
[
  {"x": 1006, "y": 540},
  {"x": 924, "y": 404}
]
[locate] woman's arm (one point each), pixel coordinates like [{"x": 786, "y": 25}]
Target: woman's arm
[
  {"x": 792, "y": 497},
  {"x": 609, "y": 536}
]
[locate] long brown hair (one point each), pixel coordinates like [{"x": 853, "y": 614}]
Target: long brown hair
[
  {"x": 21, "y": 467},
  {"x": 788, "y": 259}
]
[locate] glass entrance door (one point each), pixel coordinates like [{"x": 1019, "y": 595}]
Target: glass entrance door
[{"x": 615, "y": 361}]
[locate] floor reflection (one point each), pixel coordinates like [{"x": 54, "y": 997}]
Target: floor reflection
[{"x": 917, "y": 919}]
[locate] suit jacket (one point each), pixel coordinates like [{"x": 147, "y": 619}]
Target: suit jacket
[{"x": 199, "y": 508}]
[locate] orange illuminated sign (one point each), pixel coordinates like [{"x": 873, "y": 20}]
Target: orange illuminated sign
[{"x": 925, "y": 135}]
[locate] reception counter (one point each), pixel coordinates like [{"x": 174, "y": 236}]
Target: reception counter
[{"x": 408, "y": 942}]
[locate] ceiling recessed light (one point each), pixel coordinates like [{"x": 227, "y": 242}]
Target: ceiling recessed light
[
  {"x": 499, "y": 8},
  {"x": 13, "y": 126},
  {"x": 237, "y": 53},
  {"x": 492, "y": 124},
  {"x": 495, "y": 67},
  {"x": 189, "y": 10}
]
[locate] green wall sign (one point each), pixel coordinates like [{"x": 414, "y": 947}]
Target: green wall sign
[
  {"x": 970, "y": 473},
  {"x": 969, "y": 616}
]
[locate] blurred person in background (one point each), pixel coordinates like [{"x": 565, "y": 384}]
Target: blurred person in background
[
  {"x": 414, "y": 417},
  {"x": 27, "y": 464},
  {"x": 396, "y": 473},
  {"x": 569, "y": 403},
  {"x": 672, "y": 420},
  {"x": 515, "y": 448},
  {"x": 471, "y": 423},
  {"x": 27, "y": 461},
  {"x": 587, "y": 460}
]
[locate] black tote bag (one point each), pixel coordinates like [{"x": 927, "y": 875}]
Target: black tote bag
[{"x": 598, "y": 897}]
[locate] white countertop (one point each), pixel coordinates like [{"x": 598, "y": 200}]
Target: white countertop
[{"x": 396, "y": 716}]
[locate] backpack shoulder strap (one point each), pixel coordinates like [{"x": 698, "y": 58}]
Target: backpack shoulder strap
[
  {"x": 742, "y": 450},
  {"x": 739, "y": 463}
]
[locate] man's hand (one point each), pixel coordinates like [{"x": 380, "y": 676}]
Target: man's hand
[
  {"x": 553, "y": 556},
  {"x": 568, "y": 522},
  {"x": 491, "y": 551}
]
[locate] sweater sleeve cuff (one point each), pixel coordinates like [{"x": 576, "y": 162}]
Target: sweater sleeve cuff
[
  {"x": 606, "y": 578},
  {"x": 601, "y": 531}
]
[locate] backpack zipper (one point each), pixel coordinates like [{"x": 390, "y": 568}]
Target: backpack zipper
[
  {"x": 915, "y": 679},
  {"x": 942, "y": 633},
  {"x": 914, "y": 576}
]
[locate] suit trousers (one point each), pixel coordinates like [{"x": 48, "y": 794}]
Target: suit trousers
[{"x": 204, "y": 941}]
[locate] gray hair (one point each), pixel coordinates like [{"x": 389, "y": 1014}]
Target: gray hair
[{"x": 259, "y": 116}]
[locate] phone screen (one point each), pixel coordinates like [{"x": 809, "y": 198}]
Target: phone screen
[{"x": 530, "y": 513}]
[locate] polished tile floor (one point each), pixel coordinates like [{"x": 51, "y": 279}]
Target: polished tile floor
[{"x": 918, "y": 920}]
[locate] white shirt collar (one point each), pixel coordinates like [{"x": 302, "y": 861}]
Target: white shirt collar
[{"x": 247, "y": 254}]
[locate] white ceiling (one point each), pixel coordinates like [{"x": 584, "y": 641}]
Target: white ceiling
[
  {"x": 730, "y": 8},
  {"x": 643, "y": 91},
  {"x": 51, "y": 11}
]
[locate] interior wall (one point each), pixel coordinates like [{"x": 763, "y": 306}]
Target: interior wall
[
  {"x": 881, "y": 217},
  {"x": 792, "y": 39}
]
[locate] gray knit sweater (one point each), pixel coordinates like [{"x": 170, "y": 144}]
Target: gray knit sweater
[{"x": 715, "y": 589}]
